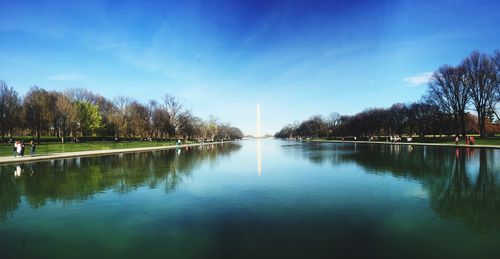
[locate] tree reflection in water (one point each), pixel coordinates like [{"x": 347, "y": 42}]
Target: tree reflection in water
[
  {"x": 470, "y": 196},
  {"x": 462, "y": 183},
  {"x": 74, "y": 179}
]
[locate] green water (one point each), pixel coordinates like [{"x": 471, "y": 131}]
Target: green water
[{"x": 266, "y": 199}]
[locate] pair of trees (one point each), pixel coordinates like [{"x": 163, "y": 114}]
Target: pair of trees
[
  {"x": 79, "y": 112},
  {"x": 476, "y": 82}
]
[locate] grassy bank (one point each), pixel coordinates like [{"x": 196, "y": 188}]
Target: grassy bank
[
  {"x": 488, "y": 141},
  {"x": 51, "y": 148}
]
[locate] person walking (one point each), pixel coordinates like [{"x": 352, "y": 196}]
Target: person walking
[
  {"x": 14, "y": 149},
  {"x": 33, "y": 148},
  {"x": 22, "y": 148},
  {"x": 18, "y": 148},
  {"x": 457, "y": 140}
]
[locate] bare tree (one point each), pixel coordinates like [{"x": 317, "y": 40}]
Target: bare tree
[
  {"x": 481, "y": 83},
  {"x": 173, "y": 107},
  {"x": 36, "y": 110},
  {"x": 139, "y": 121},
  {"x": 448, "y": 91},
  {"x": 187, "y": 124},
  {"x": 496, "y": 60},
  {"x": 66, "y": 116},
  {"x": 10, "y": 109},
  {"x": 120, "y": 117},
  {"x": 399, "y": 117},
  {"x": 314, "y": 127},
  {"x": 332, "y": 122},
  {"x": 81, "y": 95},
  {"x": 52, "y": 113},
  {"x": 151, "y": 106}
]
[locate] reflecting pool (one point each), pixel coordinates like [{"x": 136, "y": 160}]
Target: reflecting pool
[{"x": 253, "y": 199}]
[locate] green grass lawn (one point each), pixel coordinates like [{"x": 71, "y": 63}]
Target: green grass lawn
[
  {"x": 490, "y": 141},
  {"x": 486, "y": 141},
  {"x": 49, "y": 148}
]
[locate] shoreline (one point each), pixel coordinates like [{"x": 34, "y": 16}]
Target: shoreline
[
  {"x": 12, "y": 160},
  {"x": 403, "y": 143}
]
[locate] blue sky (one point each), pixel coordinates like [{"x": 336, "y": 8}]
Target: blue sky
[{"x": 295, "y": 58}]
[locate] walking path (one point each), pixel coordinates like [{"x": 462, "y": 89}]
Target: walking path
[
  {"x": 12, "y": 159},
  {"x": 406, "y": 143}
]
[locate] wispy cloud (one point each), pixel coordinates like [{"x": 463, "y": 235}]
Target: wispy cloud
[
  {"x": 419, "y": 79},
  {"x": 65, "y": 77},
  {"x": 114, "y": 45}
]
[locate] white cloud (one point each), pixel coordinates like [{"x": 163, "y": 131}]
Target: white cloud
[
  {"x": 422, "y": 78},
  {"x": 65, "y": 77}
]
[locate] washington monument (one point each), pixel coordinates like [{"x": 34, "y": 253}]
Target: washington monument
[{"x": 258, "y": 133}]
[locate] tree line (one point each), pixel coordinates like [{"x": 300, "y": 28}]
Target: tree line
[
  {"x": 78, "y": 113},
  {"x": 460, "y": 100}
]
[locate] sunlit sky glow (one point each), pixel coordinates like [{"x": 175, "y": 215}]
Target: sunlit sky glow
[{"x": 295, "y": 58}]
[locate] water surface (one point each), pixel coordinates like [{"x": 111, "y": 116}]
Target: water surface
[{"x": 251, "y": 199}]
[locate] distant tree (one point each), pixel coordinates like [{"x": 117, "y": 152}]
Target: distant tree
[
  {"x": 52, "y": 114},
  {"x": 159, "y": 120},
  {"x": 35, "y": 109},
  {"x": 106, "y": 109},
  {"x": 89, "y": 118},
  {"x": 173, "y": 107},
  {"x": 424, "y": 118},
  {"x": 10, "y": 109},
  {"x": 399, "y": 117},
  {"x": 151, "y": 105},
  {"x": 119, "y": 116},
  {"x": 332, "y": 122},
  {"x": 82, "y": 95},
  {"x": 314, "y": 127},
  {"x": 235, "y": 133},
  {"x": 414, "y": 117},
  {"x": 222, "y": 132},
  {"x": 385, "y": 120},
  {"x": 187, "y": 125},
  {"x": 481, "y": 83},
  {"x": 496, "y": 60},
  {"x": 448, "y": 91},
  {"x": 139, "y": 121},
  {"x": 289, "y": 131},
  {"x": 212, "y": 127},
  {"x": 226, "y": 132},
  {"x": 66, "y": 116},
  {"x": 370, "y": 121}
]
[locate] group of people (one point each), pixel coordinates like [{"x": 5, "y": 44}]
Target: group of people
[
  {"x": 469, "y": 140},
  {"x": 19, "y": 148}
]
